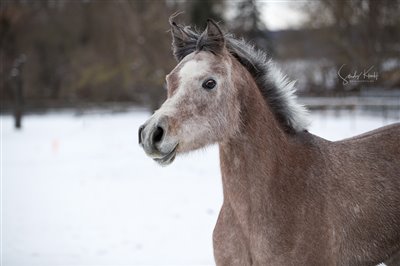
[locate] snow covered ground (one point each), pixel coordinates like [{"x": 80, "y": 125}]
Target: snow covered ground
[{"x": 78, "y": 190}]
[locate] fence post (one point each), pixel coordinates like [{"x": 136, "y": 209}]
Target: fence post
[{"x": 16, "y": 74}]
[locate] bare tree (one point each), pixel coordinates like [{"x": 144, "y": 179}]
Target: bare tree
[{"x": 362, "y": 33}]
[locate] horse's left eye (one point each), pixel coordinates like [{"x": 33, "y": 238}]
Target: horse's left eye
[{"x": 209, "y": 84}]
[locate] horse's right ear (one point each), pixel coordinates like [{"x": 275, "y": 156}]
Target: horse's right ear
[
  {"x": 182, "y": 41},
  {"x": 212, "y": 39}
]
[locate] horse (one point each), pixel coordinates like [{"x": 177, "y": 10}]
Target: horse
[{"x": 289, "y": 197}]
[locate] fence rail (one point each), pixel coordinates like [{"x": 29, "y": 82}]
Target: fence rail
[{"x": 350, "y": 102}]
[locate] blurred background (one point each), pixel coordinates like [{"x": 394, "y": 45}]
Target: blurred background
[{"x": 78, "y": 77}]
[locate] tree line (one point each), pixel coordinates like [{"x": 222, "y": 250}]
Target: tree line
[{"x": 71, "y": 52}]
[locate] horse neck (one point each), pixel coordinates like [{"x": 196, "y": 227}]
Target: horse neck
[{"x": 254, "y": 155}]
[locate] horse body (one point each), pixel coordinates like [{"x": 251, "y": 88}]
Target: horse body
[
  {"x": 290, "y": 198},
  {"x": 364, "y": 179},
  {"x": 302, "y": 200}
]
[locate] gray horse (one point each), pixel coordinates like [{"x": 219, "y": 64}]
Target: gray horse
[{"x": 290, "y": 197}]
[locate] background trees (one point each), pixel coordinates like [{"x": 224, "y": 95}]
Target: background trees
[
  {"x": 358, "y": 34},
  {"x": 87, "y": 50},
  {"x": 113, "y": 51}
]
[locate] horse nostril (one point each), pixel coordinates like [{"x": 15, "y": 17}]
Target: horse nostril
[
  {"x": 158, "y": 135},
  {"x": 140, "y": 134}
]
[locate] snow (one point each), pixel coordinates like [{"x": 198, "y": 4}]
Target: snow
[{"x": 78, "y": 190}]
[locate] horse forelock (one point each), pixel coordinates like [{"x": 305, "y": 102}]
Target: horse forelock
[{"x": 276, "y": 88}]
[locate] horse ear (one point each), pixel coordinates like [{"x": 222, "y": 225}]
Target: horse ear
[
  {"x": 214, "y": 31},
  {"x": 212, "y": 39},
  {"x": 183, "y": 42}
]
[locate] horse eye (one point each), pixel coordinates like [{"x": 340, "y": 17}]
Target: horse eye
[{"x": 209, "y": 84}]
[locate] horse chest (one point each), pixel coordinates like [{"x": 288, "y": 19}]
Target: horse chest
[
  {"x": 246, "y": 242},
  {"x": 253, "y": 234}
]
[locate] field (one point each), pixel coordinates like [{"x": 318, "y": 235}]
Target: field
[{"x": 78, "y": 190}]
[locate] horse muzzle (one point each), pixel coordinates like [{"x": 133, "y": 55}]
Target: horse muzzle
[{"x": 153, "y": 139}]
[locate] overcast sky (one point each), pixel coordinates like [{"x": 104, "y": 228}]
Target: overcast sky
[{"x": 279, "y": 15}]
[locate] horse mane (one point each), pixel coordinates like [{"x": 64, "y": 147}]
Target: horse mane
[{"x": 276, "y": 88}]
